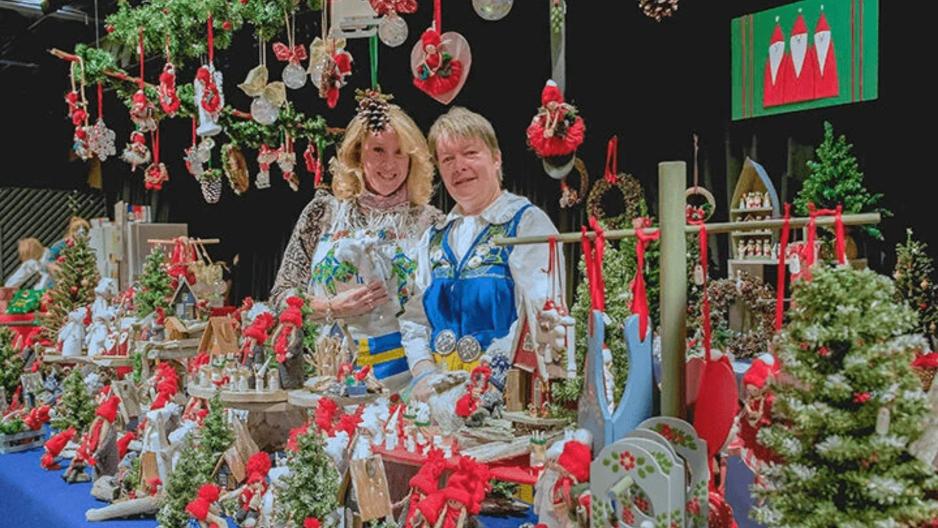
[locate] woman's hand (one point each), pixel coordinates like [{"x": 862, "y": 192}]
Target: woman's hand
[{"x": 360, "y": 300}]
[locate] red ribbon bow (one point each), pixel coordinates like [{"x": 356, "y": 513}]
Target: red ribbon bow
[
  {"x": 593, "y": 257},
  {"x": 285, "y": 53}
]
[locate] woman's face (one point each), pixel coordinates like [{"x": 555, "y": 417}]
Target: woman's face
[{"x": 385, "y": 165}]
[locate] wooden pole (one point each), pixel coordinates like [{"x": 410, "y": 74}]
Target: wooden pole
[
  {"x": 712, "y": 229},
  {"x": 672, "y": 178}
]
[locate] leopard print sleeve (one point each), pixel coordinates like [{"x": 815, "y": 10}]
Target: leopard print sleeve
[{"x": 294, "y": 272}]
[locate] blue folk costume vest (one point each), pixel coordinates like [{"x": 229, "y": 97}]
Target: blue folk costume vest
[{"x": 470, "y": 302}]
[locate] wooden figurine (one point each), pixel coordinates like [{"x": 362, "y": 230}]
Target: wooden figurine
[
  {"x": 288, "y": 345},
  {"x": 98, "y": 447},
  {"x": 205, "y": 509}
]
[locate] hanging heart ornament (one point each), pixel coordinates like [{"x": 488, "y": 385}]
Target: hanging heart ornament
[{"x": 440, "y": 64}]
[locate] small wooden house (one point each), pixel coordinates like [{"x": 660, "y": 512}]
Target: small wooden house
[{"x": 184, "y": 302}]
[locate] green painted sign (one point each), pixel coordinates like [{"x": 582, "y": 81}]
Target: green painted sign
[{"x": 804, "y": 55}]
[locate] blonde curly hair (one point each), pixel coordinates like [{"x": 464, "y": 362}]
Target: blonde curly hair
[{"x": 348, "y": 178}]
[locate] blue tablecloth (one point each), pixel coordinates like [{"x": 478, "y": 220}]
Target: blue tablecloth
[{"x": 31, "y": 497}]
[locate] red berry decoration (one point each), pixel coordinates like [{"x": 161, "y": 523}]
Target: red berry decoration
[
  {"x": 73, "y": 290},
  {"x": 109, "y": 28},
  {"x": 226, "y": 25}
]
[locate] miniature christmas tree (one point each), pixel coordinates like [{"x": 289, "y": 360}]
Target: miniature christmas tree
[
  {"x": 847, "y": 410},
  {"x": 312, "y": 487},
  {"x": 193, "y": 469},
  {"x": 74, "y": 284},
  {"x": 913, "y": 275},
  {"x": 156, "y": 287},
  {"x": 217, "y": 436},
  {"x": 835, "y": 179},
  {"x": 75, "y": 408},
  {"x": 11, "y": 363}
]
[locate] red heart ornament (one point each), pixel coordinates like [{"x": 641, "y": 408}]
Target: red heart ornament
[{"x": 437, "y": 76}]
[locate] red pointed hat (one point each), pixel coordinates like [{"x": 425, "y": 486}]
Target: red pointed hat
[
  {"x": 108, "y": 409},
  {"x": 822, "y": 23},
  {"x": 293, "y": 312},
  {"x": 576, "y": 458},
  {"x": 430, "y": 36},
  {"x": 258, "y": 466},
  {"x": 198, "y": 508},
  {"x": 551, "y": 92},
  {"x": 759, "y": 372},
  {"x": 209, "y": 492},
  {"x": 800, "y": 26},
  {"x": 777, "y": 35}
]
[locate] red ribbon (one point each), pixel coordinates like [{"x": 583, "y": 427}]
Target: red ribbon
[
  {"x": 141, "y": 83},
  {"x": 593, "y": 258},
  {"x": 211, "y": 40},
  {"x": 100, "y": 101},
  {"x": 639, "y": 295},
  {"x": 926, "y": 361},
  {"x": 612, "y": 160},
  {"x": 780, "y": 277},
  {"x": 840, "y": 246},
  {"x": 705, "y": 297},
  {"x": 438, "y": 16},
  {"x": 284, "y": 53},
  {"x": 194, "y": 135}
]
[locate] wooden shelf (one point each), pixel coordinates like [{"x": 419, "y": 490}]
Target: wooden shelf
[
  {"x": 764, "y": 232},
  {"x": 737, "y": 262},
  {"x": 752, "y": 210},
  {"x": 113, "y": 361}
]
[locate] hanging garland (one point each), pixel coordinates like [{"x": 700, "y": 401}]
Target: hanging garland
[
  {"x": 756, "y": 299},
  {"x": 96, "y": 62},
  {"x": 632, "y": 196}
]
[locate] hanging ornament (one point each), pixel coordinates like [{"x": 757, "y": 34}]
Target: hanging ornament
[
  {"x": 78, "y": 113},
  {"x": 294, "y": 76},
  {"x": 555, "y": 132},
  {"x": 374, "y": 109},
  {"x": 286, "y": 160},
  {"x": 142, "y": 110},
  {"x": 236, "y": 168},
  {"x": 169, "y": 101},
  {"x": 392, "y": 30},
  {"x": 492, "y": 9},
  {"x": 136, "y": 152},
  {"x": 101, "y": 138},
  {"x": 209, "y": 96},
  {"x": 197, "y": 155},
  {"x": 156, "y": 174},
  {"x": 210, "y": 181},
  {"x": 658, "y": 9},
  {"x": 268, "y": 97},
  {"x": 333, "y": 64},
  {"x": 440, "y": 63},
  {"x": 265, "y": 156},
  {"x": 80, "y": 143}
]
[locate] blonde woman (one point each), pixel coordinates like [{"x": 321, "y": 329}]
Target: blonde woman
[
  {"x": 31, "y": 253},
  {"x": 76, "y": 226},
  {"x": 352, "y": 253}
]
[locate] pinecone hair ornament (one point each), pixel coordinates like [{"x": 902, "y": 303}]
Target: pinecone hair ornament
[
  {"x": 658, "y": 9},
  {"x": 374, "y": 109}
]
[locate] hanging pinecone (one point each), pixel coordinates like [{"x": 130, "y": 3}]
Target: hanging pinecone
[
  {"x": 374, "y": 109},
  {"x": 658, "y": 9},
  {"x": 211, "y": 185}
]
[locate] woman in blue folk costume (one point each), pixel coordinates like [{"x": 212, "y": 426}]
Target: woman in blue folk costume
[
  {"x": 473, "y": 297},
  {"x": 352, "y": 253}
]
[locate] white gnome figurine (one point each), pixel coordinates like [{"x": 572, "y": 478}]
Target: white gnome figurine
[
  {"x": 72, "y": 335},
  {"x": 543, "y": 500},
  {"x": 102, "y": 315}
]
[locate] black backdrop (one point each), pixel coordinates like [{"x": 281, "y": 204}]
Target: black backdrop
[{"x": 653, "y": 84}]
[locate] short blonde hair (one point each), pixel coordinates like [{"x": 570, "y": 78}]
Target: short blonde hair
[
  {"x": 348, "y": 177},
  {"x": 74, "y": 224},
  {"x": 461, "y": 122},
  {"x": 29, "y": 249}
]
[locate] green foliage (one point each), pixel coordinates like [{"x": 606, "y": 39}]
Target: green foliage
[
  {"x": 96, "y": 61},
  {"x": 193, "y": 469},
  {"x": 11, "y": 363},
  {"x": 76, "y": 407},
  {"x": 251, "y": 134},
  {"x": 312, "y": 488},
  {"x": 914, "y": 284},
  {"x": 846, "y": 355},
  {"x": 834, "y": 179},
  {"x": 137, "y": 373},
  {"x": 13, "y": 426},
  {"x": 217, "y": 436},
  {"x": 156, "y": 284},
  {"x": 74, "y": 284}
]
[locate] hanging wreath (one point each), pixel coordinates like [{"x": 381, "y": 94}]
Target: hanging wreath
[
  {"x": 758, "y": 301},
  {"x": 632, "y": 197},
  {"x": 570, "y": 195}
]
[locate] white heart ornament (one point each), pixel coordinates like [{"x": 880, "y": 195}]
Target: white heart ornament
[{"x": 458, "y": 48}]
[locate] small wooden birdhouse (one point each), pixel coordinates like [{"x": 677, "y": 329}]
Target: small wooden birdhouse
[
  {"x": 185, "y": 302},
  {"x": 219, "y": 338},
  {"x": 175, "y": 329}
]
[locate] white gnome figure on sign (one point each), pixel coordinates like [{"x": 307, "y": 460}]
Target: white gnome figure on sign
[
  {"x": 72, "y": 335},
  {"x": 102, "y": 316}
]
